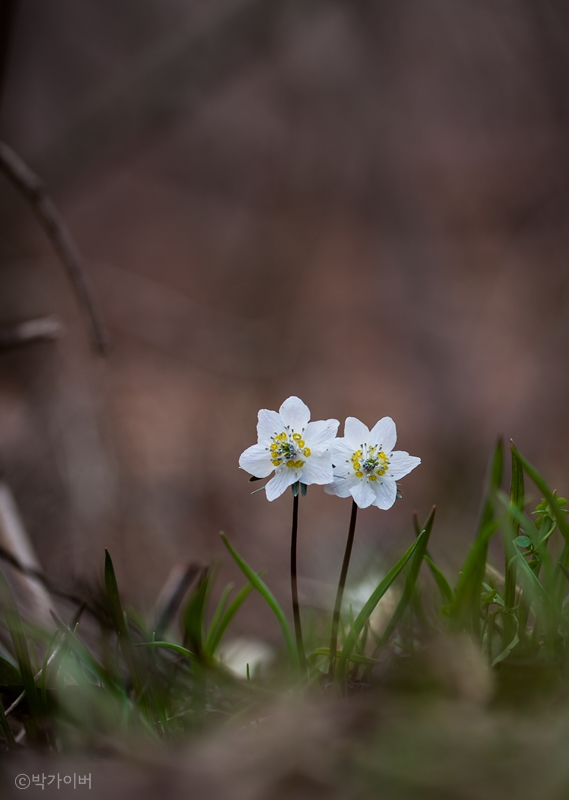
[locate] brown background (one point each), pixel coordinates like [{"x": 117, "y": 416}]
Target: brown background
[{"x": 362, "y": 203}]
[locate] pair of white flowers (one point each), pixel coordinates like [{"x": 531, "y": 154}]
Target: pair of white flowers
[{"x": 362, "y": 463}]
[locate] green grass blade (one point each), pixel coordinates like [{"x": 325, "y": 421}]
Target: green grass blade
[
  {"x": 6, "y": 730},
  {"x": 269, "y": 597},
  {"x": 218, "y": 613},
  {"x": 511, "y": 532},
  {"x": 49, "y": 651},
  {"x": 367, "y": 610},
  {"x": 216, "y": 634},
  {"x": 410, "y": 583},
  {"x": 193, "y": 618},
  {"x": 444, "y": 587},
  {"x": 447, "y": 594},
  {"x": 80, "y": 650},
  {"x": 9, "y": 675},
  {"x": 355, "y": 658},
  {"x": 558, "y": 512},
  {"x": 113, "y": 598},
  {"x": 123, "y": 633},
  {"x": 176, "y": 648},
  {"x": 17, "y": 633},
  {"x": 465, "y": 609}
]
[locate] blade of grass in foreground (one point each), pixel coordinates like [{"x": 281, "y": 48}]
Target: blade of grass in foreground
[
  {"x": 123, "y": 634},
  {"x": 74, "y": 644},
  {"x": 557, "y": 511},
  {"x": 16, "y": 628},
  {"x": 369, "y": 607},
  {"x": 176, "y": 648},
  {"x": 5, "y": 727},
  {"x": 510, "y": 533},
  {"x": 405, "y": 598},
  {"x": 444, "y": 587},
  {"x": 218, "y": 613},
  {"x": 465, "y": 610},
  {"x": 271, "y": 600},
  {"x": 216, "y": 633},
  {"x": 447, "y": 594},
  {"x": 194, "y": 613}
]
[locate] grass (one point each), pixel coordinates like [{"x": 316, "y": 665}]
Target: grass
[{"x": 70, "y": 690}]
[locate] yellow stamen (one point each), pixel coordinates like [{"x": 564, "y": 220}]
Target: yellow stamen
[
  {"x": 297, "y": 437},
  {"x": 359, "y": 474},
  {"x": 373, "y": 477},
  {"x": 298, "y": 464},
  {"x": 307, "y": 451}
]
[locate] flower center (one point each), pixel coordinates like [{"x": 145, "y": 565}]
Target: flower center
[
  {"x": 370, "y": 462},
  {"x": 286, "y": 449}
]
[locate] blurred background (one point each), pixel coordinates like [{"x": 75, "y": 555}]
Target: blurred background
[{"x": 362, "y": 203}]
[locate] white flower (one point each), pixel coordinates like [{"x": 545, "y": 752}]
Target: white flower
[
  {"x": 366, "y": 466},
  {"x": 296, "y": 449}
]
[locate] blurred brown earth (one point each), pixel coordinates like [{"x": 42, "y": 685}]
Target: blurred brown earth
[{"x": 362, "y": 203}]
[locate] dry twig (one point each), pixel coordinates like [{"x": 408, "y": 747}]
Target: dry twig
[
  {"x": 32, "y": 187},
  {"x": 33, "y": 330}
]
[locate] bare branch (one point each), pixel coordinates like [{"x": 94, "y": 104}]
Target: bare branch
[{"x": 31, "y": 186}]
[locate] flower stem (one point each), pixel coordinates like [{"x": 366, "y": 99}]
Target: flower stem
[
  {"x": 341, "y": 585},
  {"x": 294, "y": 588}
]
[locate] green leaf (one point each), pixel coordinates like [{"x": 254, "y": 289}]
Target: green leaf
[
  {"x": 522, "y": 541},
  {"x": 369, "y": 607},
  {"x": 266, "y": 593}
]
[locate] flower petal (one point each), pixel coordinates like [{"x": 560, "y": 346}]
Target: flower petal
[
  {"x": 341, "y": 453},
  {"x": 256, "y": 460},
  {"x": 269, "y": 423},
  {"x": 280, "y": 482},
  {"x": 321, "y": 433},
  {"x": 295, "y": 413},
  {"x": 317, "y": 469},
  {"x": 355, "y": 432},
  {"x": 401, "y": 463},
  {"x": 341, "y": 486},
  {"x": 362, "y": 493},
  {"x": 384, "y": 433},
  {"x": 385, "y": 493}
]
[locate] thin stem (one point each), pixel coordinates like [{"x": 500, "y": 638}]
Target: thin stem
[
  {"x": 294, "y": 587},
  {"x": 341, "y": 585}
]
